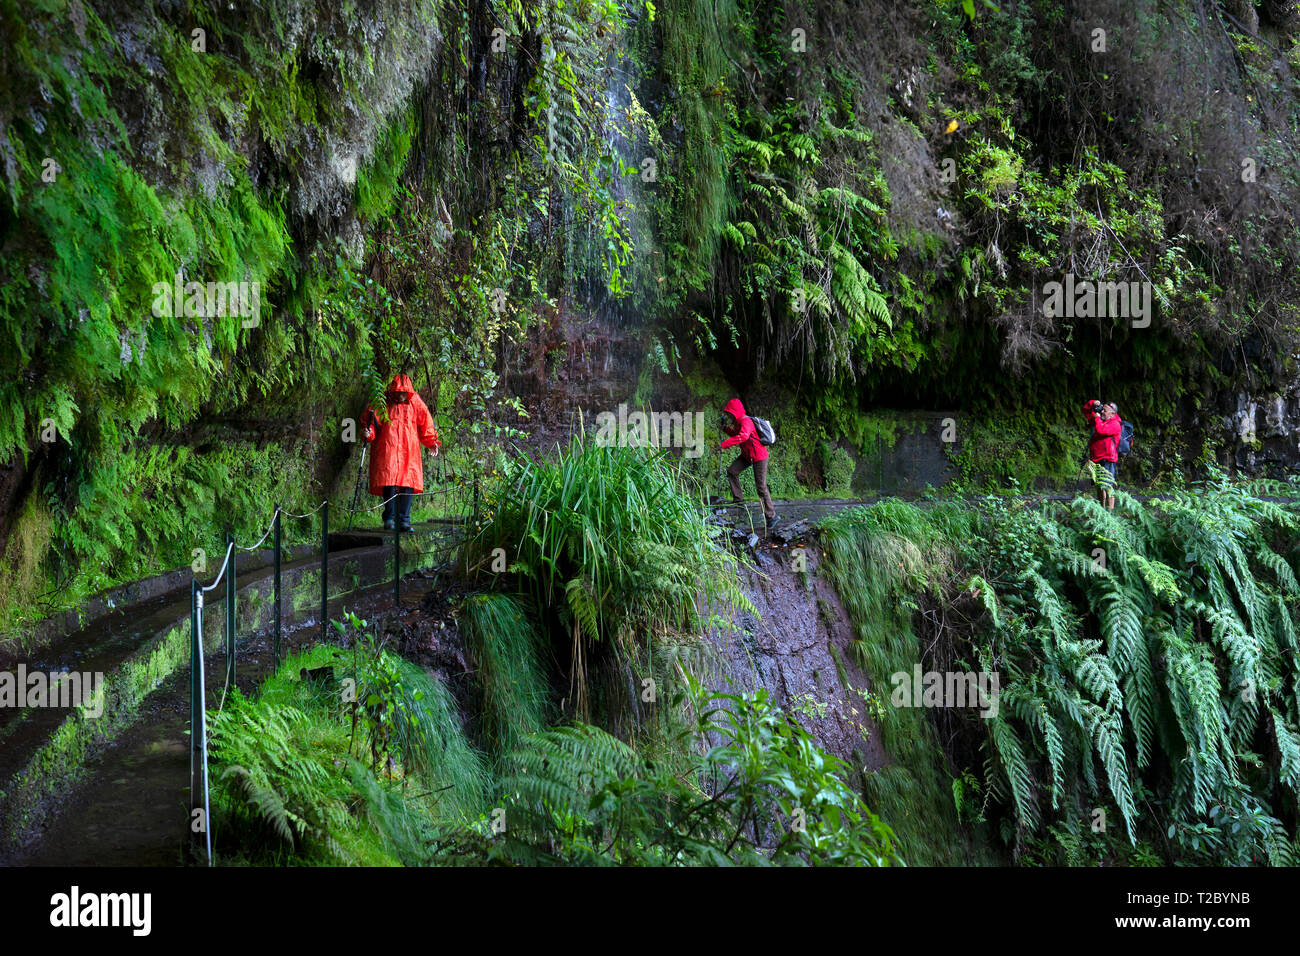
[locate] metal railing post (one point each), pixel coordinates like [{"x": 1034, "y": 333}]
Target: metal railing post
[
  {"x": 397, "y": 564},
  {"x": 276, "y": 546},
  {"x": 198, "y": 732},
  {"x": 196, "y": 785},
  {"x": 324, "y": 566},
  {"x": 230, "y": 611}
]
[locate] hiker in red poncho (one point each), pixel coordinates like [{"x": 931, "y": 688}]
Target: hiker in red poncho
[
  {"x": 396, "y": 469},
  {"x": 1103, "y": 447},
  {"x": 752, "y": 453}
]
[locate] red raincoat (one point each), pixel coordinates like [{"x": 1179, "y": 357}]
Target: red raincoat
[
  {"x": 1104, "y": 445},
  {"x": 745, "y": 436},
  {"x": 396, "y": 459}
]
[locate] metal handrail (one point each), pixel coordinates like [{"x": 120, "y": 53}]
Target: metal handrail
[
  {"x": 224, "y": 565},
  {"x": 200, "y": 797},
  {"x": 269, "y": 529}
]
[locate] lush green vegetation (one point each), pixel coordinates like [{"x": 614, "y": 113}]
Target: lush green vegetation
[
  {"x": 332, "y": 170},
  {"x": 843, "y": 210},
  {"x": 444, "y": 207},
  {"x": 751, "y": 788},
  {"x": 869, "y": 239},
  {"x": 348, "y": 768},
  {"x": 1148, "y": 664},
  {"x": 608, "y": 546},
  {"x": 1146, "y": 709},
  {"x": 362, "y": 760}
]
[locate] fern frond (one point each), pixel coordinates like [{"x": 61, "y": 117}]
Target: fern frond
[
  {"x": 583, "y": 607},
  {"x": 1015, "y": 767},
  {"x": 1121, "y": 624}
]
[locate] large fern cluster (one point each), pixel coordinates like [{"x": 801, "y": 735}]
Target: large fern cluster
[
  {"x": 295, "y": 777},
  {"x": 270, "y": 781},
  {"x": 1147, "y": 661}
]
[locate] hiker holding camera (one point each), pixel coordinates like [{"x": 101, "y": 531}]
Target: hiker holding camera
[
  {"x": 745, "y": 433},
  {"x": 1103, "y": 447}
]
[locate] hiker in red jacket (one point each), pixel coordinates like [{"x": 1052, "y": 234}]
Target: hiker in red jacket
[
  {"x": 1103, "y": 447},
  {"x": 741, "y": 429},
  {"x": 396, "y": 469}
]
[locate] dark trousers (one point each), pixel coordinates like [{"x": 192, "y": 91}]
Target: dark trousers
[
  {"x": 397, "y": 510},
  {"x": 760, "y": 482}
]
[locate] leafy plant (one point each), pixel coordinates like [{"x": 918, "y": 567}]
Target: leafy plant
[
  {"x": 1147, "y": 656},
  {"x": 288, "y": 788},
  {"x": 758, "y": 791},
  {"x": 606, "y": 540}
]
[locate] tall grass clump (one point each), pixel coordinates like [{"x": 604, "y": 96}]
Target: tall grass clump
[
  {"x": 881, "y": 559},
  {"x": 611, "y": 548},
  {"x": 427, "y": 736},
  {"x": 511, "y": 672}
]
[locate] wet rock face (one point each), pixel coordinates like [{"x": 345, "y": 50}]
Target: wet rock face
[
  {"x": 570, "y": 365},
  {"x": 798, "y": 648},
  {"x": 1263, "y": 434},
  {"x": 1245, "y": 418},
  {"x": 366, "y": 62}
]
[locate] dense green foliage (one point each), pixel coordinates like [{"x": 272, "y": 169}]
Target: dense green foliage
[
  {"x": 349, "y": 770},
  {"x": 852, "y": 215},
  {"x": 606, "y": 541},
  {"x": 743, "y": 783},
  {"x": 146, "y": 144},
  {"x": 1148, "y": 665},
  {"x": 874, "y": 208},
  {"x": 756, "y": 790},
  {"x": 333, "y": 168},
  {"x": 837, "y": 207}
]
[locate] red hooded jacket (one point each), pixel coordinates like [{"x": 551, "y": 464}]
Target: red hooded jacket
[
  {"x": 396, "y": 460},
  {"x": 745, "y": 436},
  {"x": 1104, "y": 445}
]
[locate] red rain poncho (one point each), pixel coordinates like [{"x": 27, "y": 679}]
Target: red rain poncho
[
  {"x": 745, "y": 436},
  {"x": 396, "y": 459}
]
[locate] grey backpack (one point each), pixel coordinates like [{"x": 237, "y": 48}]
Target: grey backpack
[{"x": 766, "y": 433}]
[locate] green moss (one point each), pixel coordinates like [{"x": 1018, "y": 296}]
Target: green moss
[
  {"x": 96, "y": 220},
  {"x": 377, "y": 180},
  {"x": 838, "y": 466},
  {"x": 1019, "y": 449},
  {"x": 878, "y": 559},
  {"x": 61, "y": 763}
]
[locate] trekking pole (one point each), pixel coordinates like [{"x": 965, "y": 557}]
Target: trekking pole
[
  {"x": 722, "y": 476},
  {"x": 356, "y": 491}
]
